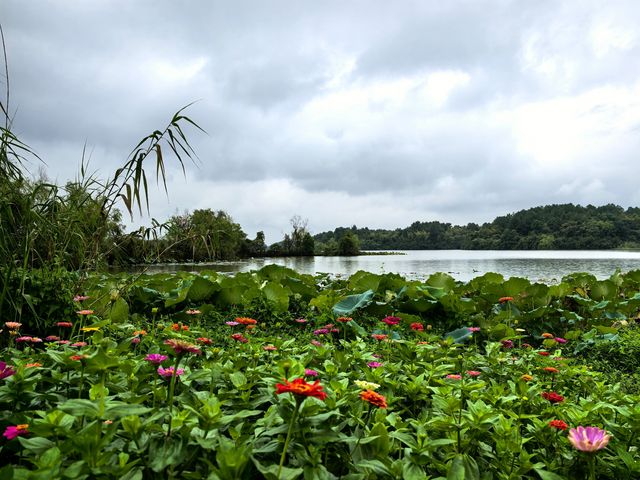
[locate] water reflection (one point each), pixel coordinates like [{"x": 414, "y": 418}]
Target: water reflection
[{"x": 549, "y": 265}]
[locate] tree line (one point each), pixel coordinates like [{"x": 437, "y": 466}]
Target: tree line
[{"x": 559, "y": 227}]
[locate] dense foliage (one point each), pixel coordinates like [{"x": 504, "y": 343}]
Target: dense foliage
[
  {"x": 561, "y": 227},
  {"x": 273, "y": 374}
]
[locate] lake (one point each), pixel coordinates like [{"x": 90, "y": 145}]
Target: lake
[{"x": 540, "y": 265}]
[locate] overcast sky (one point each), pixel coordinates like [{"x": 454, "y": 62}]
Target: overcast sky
[{"x": 373, "y": 113}]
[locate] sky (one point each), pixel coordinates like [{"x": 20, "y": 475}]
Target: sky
[{"x": 346, "y": 112}]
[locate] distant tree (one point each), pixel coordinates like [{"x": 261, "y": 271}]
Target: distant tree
[{"x": 349, "y": 244}]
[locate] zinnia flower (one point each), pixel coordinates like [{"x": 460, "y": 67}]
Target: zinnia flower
[
  {"x": 36, "y": 340},
  {"x": 193, "y": 312},
  {"x": 23, "y": 339},
  {"x": 418, "y": 327},
  {"x": 391, "y": 320},
  {"x": 79, "y": 344},
  {"x": 309, "y": 372},
  {"x": 238, "y": 337},
  {"x": 551, "y": 370},
  {"x": 6, "y": 370},
  {"x": 204, "y": 340},
  {"x": 80, "y": 298},
  {"x": 454, "y": 376},
  {"x": 135, "y": 340},
  {"x": 181, "y": 346},
  {"x": 558, "y": 424},
  {"x": 140, "y": 332},
  {"x": 232, "y": 323},
  {"x": 155, "y": 358},
  {"x": 33, "y": 365},
  {"x": 246, "y": 321},
  {"x": 89, "y": 329},
  {"x": 52, "y": 338},
  {"x": 270, "y": 348},
  {"x": 552, "y": 397},
  {"x": 473, "y": 329},
  {"x": 505, "y": 299},
  {"x": 547, "y": 335},
  {"x": 170, "y": 372},
  {"x": 374, "y": 364},
  {"x": 78, "y": 358},
  {"x": 64, "y": 324},
  {"x": 344, "y": 319},
  {"x": 560, "y": 340},
  {"x": 301, "y": 388},
  {"x": 588, "y": 439},
  {"x": 374, "y": 398},
  {"x": 379, "y": 336},
  {"x": 544, "y": 353},
  {"x": 14, "y": 431},
  {"x": 474, "y": 373},
  {"x": 12, "y": 325},
  {"x": 321, "y": 331},
  {"x": 176, "y": 327},
  {"x": 85, "y": 312},
  {"x": 366, "y": 385},
  {"x": 507, "y": 343},
  {"x": 316, "y": 343},
  {"x": 526, "y": 378}
]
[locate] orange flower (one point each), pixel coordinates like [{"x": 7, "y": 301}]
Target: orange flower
[
  {"x": 178, "y": 326},
  {"x": 547, "y": 335},
  {"x": 379, "y": 336},
  {"x": 246, "y": 321},
  {"x": 374, "y": 398},
  {"x": 526, "y": 378},
  {"x": 505, "y": 299},
  {"x": 301, "y": 388},
  {"x": 344, "y": 319},
  {"x": 140, "y": 332},
  {"x": 85, "y": 312},
  {"x": 551, "y": 369},
  {"x": 33, "y": 365}
]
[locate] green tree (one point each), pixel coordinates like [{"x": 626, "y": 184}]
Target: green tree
[{"x": 349, "y": 244}]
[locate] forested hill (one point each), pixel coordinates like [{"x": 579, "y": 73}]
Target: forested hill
[{"x": 562, "y": 227}]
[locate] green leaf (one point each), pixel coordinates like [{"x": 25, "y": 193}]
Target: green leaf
[
  {"x": 201, "y": 289},
  {"x": 119, "y": 311},
  {"x": 459, "y": 335},
  {"x": 546, "y": 475},
  {"x": 463, "y": 467},
  {"x": 37, "y": 445},
  {"x": 352, "y": 303}
]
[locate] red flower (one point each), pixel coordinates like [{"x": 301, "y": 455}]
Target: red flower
[
  {"x": 544, "y": 353},
  {"x": 204, "y": 340},
  {"x": 559, "y": 424},
  {"x": 64, "y": 324},
  {"x": 13, "y": 431},
  {"x": 246, "y": 321},
  {"x": 418, "y": 327},
  {"x": 391, "y": 320},
  {"x": 374, "y": 398},
  {"x": 553, "y": 397},
  {"x": 301, "y": 388},
  {"x": 180, "y": 346},
  {"x": 505, "y": 299},
  {"x": 379, "y": 336},
  {"x": 551, "y": 370},
  {"x": 239, "y": 338}
]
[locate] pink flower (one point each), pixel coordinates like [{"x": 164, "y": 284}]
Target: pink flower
[
  {"x": 310, "y": 372},
  {"x": 316, "y": 343},
  {"x": 64, "y": 324},
  {"x": 391, "y": 320},
  {"x": 79, "y": 344},
  {"x": 23, "y": 339},
  {"x": 418, "y": 327},
  {"x": 560, "y": 340},
  {"x": 52, "y": 338},
  {"x": 232, "y": 323},
  {"x": 238, "y": 337},
  {"x": 155, "y": 358},
  {"x": 80, "y": 298},
  {"x": 36, "y": 340},
  {"x": 321, "y": 331},
  {"x": 85, "y": 312},
  {"x": 374, "y": 364},
  {"x": 474, "y": 373},
  {"x": 301, "y": 320},
  {"x": 473, "y": 329},
  {"x": 180, "y": 346},
  {"x": 270, "y": 348},
  {"x": 135, "y": 340},
  {"x": 63, "y": 342},
  {"x": 170, "y": 372},
  {"x": 588, "y": 439},
  {"x": 507, "y": 343},
  {"x": 454, "y": 376},
  {"x": 14, "y": 431},
  {"x": 6, "y": 370}
]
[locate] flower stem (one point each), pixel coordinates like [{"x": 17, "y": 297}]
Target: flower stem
[{"x": 286, "y": 442}]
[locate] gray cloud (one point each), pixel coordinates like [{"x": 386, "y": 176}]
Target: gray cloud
[{"x": 373, "y": 113}]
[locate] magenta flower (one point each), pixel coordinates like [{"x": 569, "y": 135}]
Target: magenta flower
[
  {"x": 155, "y": 358},
  {"x": 52, "y": 338},
  {"x": 321, "y": 331},
  {"x": 588, "y": 439},
  {"x": 560, "y": 340},
  {"x": 473, "y": 329},
  {"x": 301, "y": 320},
  {"x": 309, "y": 372},
  {"x": 6, "y": 370},
  {"x": 391, "y": 320},
  {"x": 232, "y": 323},
  {"x": 23, "y": 339},
  {"x": 374, "y": 364},
  {"x": 14, "y": 431},
  {"x": 474, "y": 373},
  {"x": 80, "y": 298},
  {"x": 507, "y": 343},
  {"x": 170, "y": 372},
  {"x": 135, "y": 340}
]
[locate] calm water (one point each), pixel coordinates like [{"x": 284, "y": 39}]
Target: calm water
[{"x": 546, "y": 266}]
